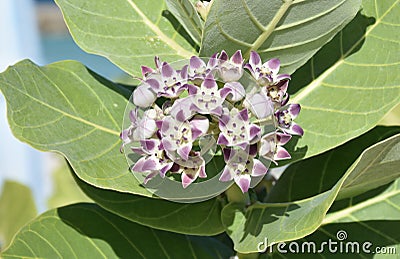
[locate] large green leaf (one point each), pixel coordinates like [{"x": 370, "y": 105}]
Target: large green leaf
[
  {"x": 17, "y": 207},
  {"x": 87, "y": 231},
  {"x": 292, "y": 220},
  {"x": 321, "y": 172},
  {"x": 352, "y": 82},
  {"x": 64, "y": 107},
  {"x": 291, "y": 30},
  {"x": 129, "y": 33},
  {"x": 203, "y": 218},
  {"x": 187, "y": 15}
]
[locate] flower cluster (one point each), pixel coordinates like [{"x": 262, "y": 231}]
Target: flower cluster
[{"x": 209, "y": 98}]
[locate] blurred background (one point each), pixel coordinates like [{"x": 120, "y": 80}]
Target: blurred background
[{"x": 37, "y": 181}]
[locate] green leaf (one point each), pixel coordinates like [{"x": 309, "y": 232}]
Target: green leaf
[
  {"x": 371, "y": 217},
  {"x": 380, "y": 207},
  {"x": 86, "y": 230},
  {"x": 129, "y": 33},
  {"x": 17, "y": 207},
  {"x": 291, "y": 30},
  {"x": 353, "y": 80},
  {"x": 201, "y": 218},
  {"x": 187, "y": 15},
  {"x": 321, "y": 172},
  {"x": 65, "y": 108},
  {"x": 292, "y": 220}
]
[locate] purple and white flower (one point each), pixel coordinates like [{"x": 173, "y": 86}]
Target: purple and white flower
[
  {"x": 271, "y": 146},
  {"x": 198, "y": 69},
  {"x": 230, "y": 70},
  {"x": 285, "y": 117},
  {"x": 207, "y": 99},
  {"x": 265, "y": 73},
  {"x": 236, "y": 129},
  {"x": 179, "y": 136},
  {"x": 190, "y": 169},
  {"x": 141, "y": 127},
  {"x": 154, "y": 160},
  {"x": 259, "y": 104},
  {"x": 198, "y": 105},
  {"x": 241, "y": 166}
]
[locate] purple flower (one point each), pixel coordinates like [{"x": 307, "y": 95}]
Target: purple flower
[
  {"x": 271, "y": 146},
  {"x": 140, "y": 128},
  {"x": 207, "y": 99},
  {"x": 236, "y": 129},
  {"x": 198, "y": 69},
  {"x": 230, "y": 69},
  {"x": 144, "y": 95},
  {"x": 190, "y": 168},
  {"x": 259, "y": 104},
  {"x": 267, "y": 75},
  {"x": 285, "y": 117},
  {"x": 170, "y": 82},
  {"x": 154, "y": 160},
  {"x": 179, "y": 136},
  {"x": 241, "y": 166}
]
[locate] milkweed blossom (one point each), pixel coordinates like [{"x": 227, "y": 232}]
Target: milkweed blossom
[{"x": 175, "y": 108}]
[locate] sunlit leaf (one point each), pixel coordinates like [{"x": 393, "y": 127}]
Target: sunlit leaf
[
  {"x": 187, "y": 15},
  {"x": 321, "y": 172},
  {"x": 66, "y": 108},
  {"x": 352, "y": 82},
  {"x": 291, "y": 30},
  {"x": 129, "y": 33},
  {"x": 293, "y": 220}
]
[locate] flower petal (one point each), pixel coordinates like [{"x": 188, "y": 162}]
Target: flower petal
[
  {"x": 199, "y": 126},
  {"x": 259, "y": 168},
  {"x": 226, "y": 175},
  {"x": 255, "y": 60},
  {"x": 243, "y": 181},
  {"x": 222, "y": 140},
  {"x": 187, "y": 179},
  {"x": 274, "y": 65},
  {"x": 183, "y": 151},
  {"x": 260, "y": 105},
  {"x": 295, "y": 129},
  {"x": 234, "y": 91},
  {"x": 283, "y": 138},
  {"x": 281, "y": 153},
  {"x": 254, "y": 131},
  {"x": 237, "y": 58},
  {"x": 146, "y": 70},
  {"x": 166, "y": 70},
  {"x": 143, "y": 96},
  {"x": 196, "y": 63}
]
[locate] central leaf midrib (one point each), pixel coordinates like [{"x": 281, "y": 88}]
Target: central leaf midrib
[{"x": 269, "y": 29}]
